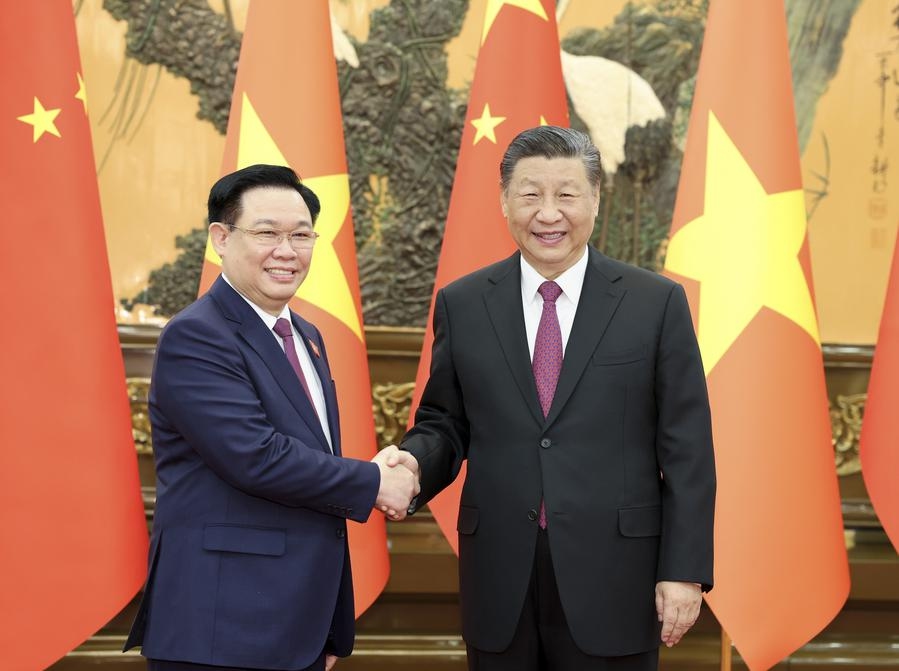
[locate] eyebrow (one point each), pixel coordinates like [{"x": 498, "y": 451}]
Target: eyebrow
[
  {"x": 271, "y": 222},
  {"x": 525, "y": 180}
]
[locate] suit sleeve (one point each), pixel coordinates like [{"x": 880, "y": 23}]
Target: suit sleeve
[
  {"x": 684, "y": 450},
  {"x": 439, "y": 438},
  {"x": 204, "y": 393}
]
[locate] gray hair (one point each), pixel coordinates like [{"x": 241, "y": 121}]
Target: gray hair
[{"x": 551, "y": 142}]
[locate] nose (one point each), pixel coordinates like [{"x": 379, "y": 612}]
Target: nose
[
  {"x": 549, "y": 212},
  {"x": 284, "y": 249}
]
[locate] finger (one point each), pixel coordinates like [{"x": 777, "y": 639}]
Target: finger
[
  {"x": 669, "y": 620},
  {"x": 685, "y": 619},
  {"x": 391, "y": 456},
  {"x": 677, "y": 634},
  {"x": 667, "y": 630}
]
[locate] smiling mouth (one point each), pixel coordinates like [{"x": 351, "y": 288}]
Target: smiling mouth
[
  {"x": 280, "y": 272},
  {"x": 550, "y": 237}
]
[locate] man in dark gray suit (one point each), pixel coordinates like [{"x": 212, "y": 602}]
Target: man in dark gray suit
[{"x": 573, "y": 385}]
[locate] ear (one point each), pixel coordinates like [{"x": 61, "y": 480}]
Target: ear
[
  {"x": 596, "y": 193},
  {"x": 502, "y": 202},
  {"x": 219, "y": 234}
]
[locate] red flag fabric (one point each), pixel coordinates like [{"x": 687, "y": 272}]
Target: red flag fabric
[
  {"x": 739, "y": 244},
  {"x": 880, "y": 426},
  {"x": 74, "y": 546},
  {"x": 501, "y": 104},
  {"x": 285, "y": 110}
]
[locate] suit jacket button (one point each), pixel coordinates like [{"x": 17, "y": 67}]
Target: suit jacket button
[
  {"x": 532, "y": 515},
  {"x": 341, "y": 533},
  {"x": 545, "y": 443}
]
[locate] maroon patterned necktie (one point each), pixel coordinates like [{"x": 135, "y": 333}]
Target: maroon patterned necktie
[
  {"x": 547, "y": 356},
  {"x": 282, "y": 328}
]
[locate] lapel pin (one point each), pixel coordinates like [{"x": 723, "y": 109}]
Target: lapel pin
[{"x": 314, "y": 347}]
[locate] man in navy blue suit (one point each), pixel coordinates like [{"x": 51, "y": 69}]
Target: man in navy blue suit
[{"x": 249, "y": 564}]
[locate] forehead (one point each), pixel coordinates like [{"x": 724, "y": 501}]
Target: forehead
[
  {"x": 274, "y": 204},
  {"x": 542, "y": 170}
]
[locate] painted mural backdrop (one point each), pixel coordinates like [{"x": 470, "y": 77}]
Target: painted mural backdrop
[{"x": 160, "y": 73}]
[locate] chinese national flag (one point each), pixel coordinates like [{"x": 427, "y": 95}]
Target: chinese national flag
[
  {"x": 739, "y": 245},
  {"x": 285, "y": 110},
  {"x": 73, "y": 536},
  {"x": 880, "y": 428},
  {"x": 513, "y": 89}
]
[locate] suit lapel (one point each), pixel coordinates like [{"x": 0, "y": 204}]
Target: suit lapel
[
  {"x": 503, "y": 301},
  {"x": 310, "y": 339},
  {"x": 597, "y": 304},
  {"x": 255, "y": 333}
]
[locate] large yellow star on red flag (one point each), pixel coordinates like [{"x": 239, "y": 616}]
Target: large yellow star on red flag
[
  {"x": 486, "y": 125},
  {"x": 743, "y": 249},
  {"x": 326, "y": 286},
  {"x": 43, "y": 120},
  {"x": 494, "y": 7}
]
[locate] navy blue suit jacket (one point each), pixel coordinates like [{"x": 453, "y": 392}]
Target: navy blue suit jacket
[{"x": 249, "y": 564}]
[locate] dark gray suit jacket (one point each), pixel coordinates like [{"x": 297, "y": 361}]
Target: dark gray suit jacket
[{"x": 624, "y": 459}]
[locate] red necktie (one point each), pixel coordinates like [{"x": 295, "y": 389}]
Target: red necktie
[
  {"x": 282, "y": 328},
  {"x": 547, "y": 356}
]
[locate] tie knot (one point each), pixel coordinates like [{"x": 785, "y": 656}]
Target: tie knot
[
  {"x": 282, "y": 328},
  {"x": 550, "y": 291}
]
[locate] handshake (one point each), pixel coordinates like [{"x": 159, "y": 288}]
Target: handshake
[{"x": 399, "y": 481}]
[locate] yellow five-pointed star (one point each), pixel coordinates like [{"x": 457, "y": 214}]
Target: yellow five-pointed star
[
  {"x": 82, "y": 92},
  {"x": 486, "y": 125},
  {"x": 42, "y": 119},
  {"x": 494, "y": 7},
  {"x": 743, "y": 250}
]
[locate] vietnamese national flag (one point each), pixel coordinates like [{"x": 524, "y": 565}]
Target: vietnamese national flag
[
  {"x": 739, "y": 245},
  {"x": 285, "y": 110},
  {"x": 73, "y": 535},
  {"x": 880, "y": 426},
  {"x": 514, "y": 88}
]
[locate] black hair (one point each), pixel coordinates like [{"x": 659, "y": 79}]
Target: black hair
[
  {"x": 225, "y": 205},
  {"x": 551, "y": 142}
]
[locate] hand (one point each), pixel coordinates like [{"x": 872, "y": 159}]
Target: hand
[
  {"x": 399, "y": 481},
  {"x": 677, "y": 605},
  {"x": 330, "y": 661},
  {"x": 396, "y": 456}
]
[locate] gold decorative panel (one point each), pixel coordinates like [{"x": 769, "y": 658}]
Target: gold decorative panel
[
  {"x": 138, "y": 392},
  {"x": 846, "y": 425},
  {"x": 391, "y": 403}
]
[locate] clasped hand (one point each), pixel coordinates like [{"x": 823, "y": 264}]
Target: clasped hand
[{"x": 399, "y": 481}]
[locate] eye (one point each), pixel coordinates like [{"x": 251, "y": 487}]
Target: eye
[
  {"x": 267, "y": 235},
  {"x": 301, "y": 236}
]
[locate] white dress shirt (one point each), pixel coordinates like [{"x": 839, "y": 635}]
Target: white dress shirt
[
  {"x": 312, "y": 379},
  {"x": 571, "y": 282}
]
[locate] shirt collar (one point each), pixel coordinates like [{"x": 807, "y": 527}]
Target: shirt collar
[
  {"x": 268, "y": 319},
  {"x": 571, "y": 281}
]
